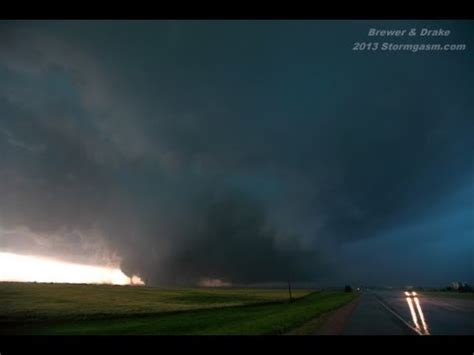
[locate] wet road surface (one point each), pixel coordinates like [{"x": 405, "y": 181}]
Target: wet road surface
[{"x": 393, "y": 313}]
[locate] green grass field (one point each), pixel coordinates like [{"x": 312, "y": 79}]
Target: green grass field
[{"x": 28, "y": 308}]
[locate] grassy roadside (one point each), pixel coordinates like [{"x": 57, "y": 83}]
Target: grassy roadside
[
  {"x": 275, "y": 318},
  {"x": 313, "y": 326}
]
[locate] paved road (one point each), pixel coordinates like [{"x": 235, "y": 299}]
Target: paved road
[
  {"x": 371, "y": 318},
  {"x": 389, "y": 313},
  {"x": 443, "y": 316}
]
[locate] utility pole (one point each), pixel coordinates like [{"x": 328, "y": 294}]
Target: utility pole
[
  {"x": 289, "y": 290},
  {"x": 472, "y": 266}
]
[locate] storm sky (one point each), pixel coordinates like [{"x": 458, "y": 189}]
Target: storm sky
[{"x": 245, "y": 151}]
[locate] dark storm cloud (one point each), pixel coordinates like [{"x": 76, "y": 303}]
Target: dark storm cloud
[{"x": 243, "y": 151}]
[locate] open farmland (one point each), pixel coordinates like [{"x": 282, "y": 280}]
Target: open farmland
[{"x": 29, "y": 308}]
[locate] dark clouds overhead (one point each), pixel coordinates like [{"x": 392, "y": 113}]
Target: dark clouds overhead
[{"x": 245, "y": 151}]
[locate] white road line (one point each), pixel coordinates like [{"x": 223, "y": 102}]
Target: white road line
[{"x": 399, "y": 317}]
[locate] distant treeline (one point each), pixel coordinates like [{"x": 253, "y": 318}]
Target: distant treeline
[{"x": 454, "y": 287}]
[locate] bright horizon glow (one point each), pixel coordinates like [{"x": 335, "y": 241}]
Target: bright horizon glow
[{"x": 22, "y": 268}]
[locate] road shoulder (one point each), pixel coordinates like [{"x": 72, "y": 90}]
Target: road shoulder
[{"x": 330, "y": 323}]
